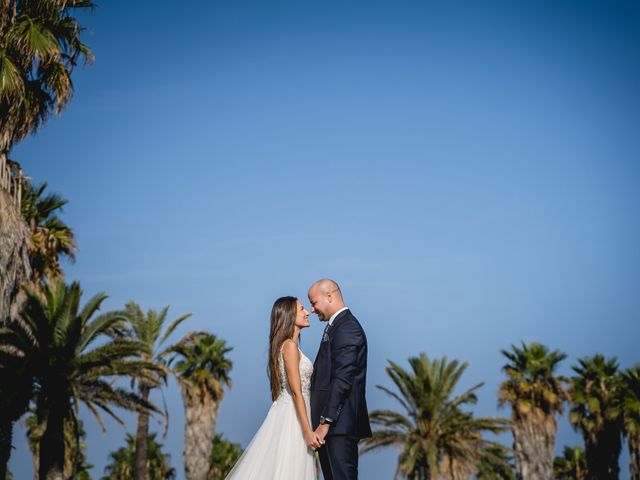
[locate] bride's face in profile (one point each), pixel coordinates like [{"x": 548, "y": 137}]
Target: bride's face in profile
[{"x": 302, "y": 316}]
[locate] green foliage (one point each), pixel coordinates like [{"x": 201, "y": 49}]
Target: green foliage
[
  {"x": 151, "y": 332},
  {"x": 572, "y": 465},
  {"x": 39, "y": 48},
  {"x": 224, "y": 455},
  {"x": 68, "y": 358},
  {"x": 597, "y": 411},
  {"x": 631, "y": 401},
  {"x": 631, "y": 417},
  {"x": 200, "y": 359},
  {"x": 531, "y": 380},
  {"x": 122, "y": 461},
  {"x": 496, "y": 463},
  {"x": 51, "y": 238},
  {"x": 72, "y": 360},
  {"x": 435, "y": 434}
]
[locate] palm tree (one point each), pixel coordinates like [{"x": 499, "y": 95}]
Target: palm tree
[
  {"x": 631, "y": 406},
  {"x": 436, "y": 437},
  {"x": 39, "y": 48},
  {"x": 70, "y": 366},
  {"x": 597, "y": 412},
  {"x": 14, "y": 260},
  {"x": 122, "y": 462},
  {"x": 148, "y": 330},
  {"x": 75, "y": 463},
  {"x": 16, "y": 381},
  {"x": 224, "y": 455},
  {"x": 51, "y": 238},
  {"x": 202, "y": 368},
  {"x": 572, "y": 465},
  {"x": 496, "y": 464},
  {"x": 535, "y": 395}
]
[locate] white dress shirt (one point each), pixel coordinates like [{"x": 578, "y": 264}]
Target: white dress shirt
[{"x": 333, "y": 317}]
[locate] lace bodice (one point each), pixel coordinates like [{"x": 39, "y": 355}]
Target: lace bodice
[{"x": 306, "y": 370}]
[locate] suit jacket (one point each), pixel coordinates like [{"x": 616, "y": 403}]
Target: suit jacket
[{"x": 339, "y": 378}]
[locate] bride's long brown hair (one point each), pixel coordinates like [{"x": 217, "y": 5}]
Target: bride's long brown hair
[{"x": 283, "y": 320}]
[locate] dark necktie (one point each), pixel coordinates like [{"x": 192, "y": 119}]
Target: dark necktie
[{"x": 325, "y": 334}]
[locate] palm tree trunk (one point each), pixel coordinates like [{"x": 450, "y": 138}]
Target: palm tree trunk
[
  {"x": 634, "y": 454},
  {"x": 200, "y": 420},
  {"x": 534, "y": 439},
  {"x": 52, "y": 442},
  {"x": 603, "y": 453},
  {"x": 6, "y": 436},
  {"x": 14, "y": 259},
  {"x": 142, "y": 440}
]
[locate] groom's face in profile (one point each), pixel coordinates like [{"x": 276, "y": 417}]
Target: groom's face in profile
[{"x": 320, "y": 304}]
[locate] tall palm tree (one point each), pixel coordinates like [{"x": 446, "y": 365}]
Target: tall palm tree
[
  {"x": 202, "y": 368},
  {"x": 122, "y": 464},
  {"x": 535, "y": 394},
  {"x": 14, "y": 258},
  {"x": 436, "y": 437},
  {"x": 51, "y": 238},
  {"x": 71, "y": 365},
  {"x": 631, "y": 408},
  {"x": 224, "y": 455},
  {"x": 597, "y": 412},
  {"x": 149, "y": 329},
  {"x": 572, "y": 465},
  {"x": 39, "y": 48}
]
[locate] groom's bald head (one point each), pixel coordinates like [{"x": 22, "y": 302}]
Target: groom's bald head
[{"x": 326, "y": 298}]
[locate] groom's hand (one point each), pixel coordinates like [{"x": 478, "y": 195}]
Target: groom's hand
[{"x": 322, "y": 431}]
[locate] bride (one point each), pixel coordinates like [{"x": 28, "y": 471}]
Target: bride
[{"x": 283, "y": 446}]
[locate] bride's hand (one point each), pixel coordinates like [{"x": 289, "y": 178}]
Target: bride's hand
[{"x": 312, "y": 440}]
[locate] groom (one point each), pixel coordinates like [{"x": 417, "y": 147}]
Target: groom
[{"x": 338, "y": 405}]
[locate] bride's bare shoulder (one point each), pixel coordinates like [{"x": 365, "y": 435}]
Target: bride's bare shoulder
[{"x": 290, "y": 350}]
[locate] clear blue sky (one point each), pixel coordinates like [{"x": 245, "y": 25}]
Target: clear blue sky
[{"x": 468, "y": 171}]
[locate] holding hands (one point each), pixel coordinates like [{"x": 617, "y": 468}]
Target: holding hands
[{"x": 313, "y": 440}]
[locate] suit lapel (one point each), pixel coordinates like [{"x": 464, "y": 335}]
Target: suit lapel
[{"x": 337, "y": 320}]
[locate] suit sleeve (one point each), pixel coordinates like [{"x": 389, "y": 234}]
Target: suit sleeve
[{"x": 344, "y": 357}]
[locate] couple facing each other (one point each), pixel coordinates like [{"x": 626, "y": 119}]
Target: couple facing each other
[{"x": 319, "y": 406}]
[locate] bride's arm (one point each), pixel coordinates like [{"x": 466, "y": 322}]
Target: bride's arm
[{"x": 291, "y": 356}]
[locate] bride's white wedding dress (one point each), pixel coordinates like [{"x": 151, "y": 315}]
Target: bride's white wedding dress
[{"x": 278, "y": 450}]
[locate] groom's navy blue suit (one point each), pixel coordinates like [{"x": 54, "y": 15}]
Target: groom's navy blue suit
[{"x": 338, "y": 393}]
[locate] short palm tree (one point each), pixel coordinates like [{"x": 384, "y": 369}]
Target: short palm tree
[
  {"x": 631, "y": 408},
  {"x": 572, "y": 465},
  {"x": 202, "y": 368},
  {"x": 51, "y": 238},
  {"x": 436, "y": 437},
  {"x": 39, "y": 48},
  {"x": 152, "y": 331},
  {"x": 597, "y": 412},
  {"x": 17, "y": 385},
  {"x": 536, "y": 395},
  {"x": 74, "y": 361},
  {"x": 496, "y": 464},
  {"x": 121, "y": 466},
  {"x": 224, "y": 455}
]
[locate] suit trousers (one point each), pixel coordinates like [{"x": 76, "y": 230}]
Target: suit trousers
[{"x": 339, "y": 457}]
